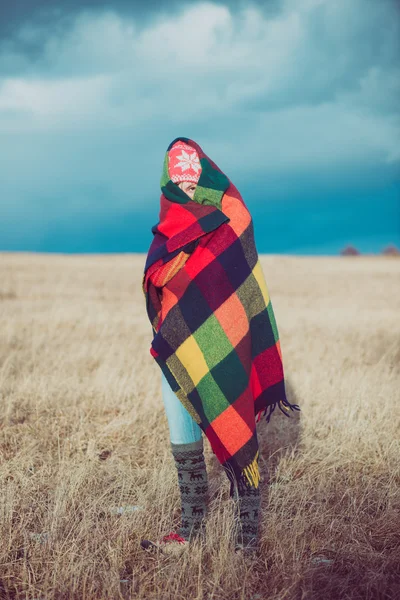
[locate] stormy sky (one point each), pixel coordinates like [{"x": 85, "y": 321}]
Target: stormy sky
[{"x": 296, "y": 100}]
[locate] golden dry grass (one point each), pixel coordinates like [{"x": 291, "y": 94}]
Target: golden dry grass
[{"x": 83, "y": 431}]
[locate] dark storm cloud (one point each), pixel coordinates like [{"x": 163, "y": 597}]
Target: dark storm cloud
[
  {"x": 15, "y": 13},
  {"x": 45, "y": 12}
]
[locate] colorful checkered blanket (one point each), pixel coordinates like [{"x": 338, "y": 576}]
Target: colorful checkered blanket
[{"x": 214, "y": 331}]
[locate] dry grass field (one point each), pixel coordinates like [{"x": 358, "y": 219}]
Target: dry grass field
[{"x": 83, "y": 432}]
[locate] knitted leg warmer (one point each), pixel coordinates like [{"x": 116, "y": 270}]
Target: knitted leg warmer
[
  {"x": 193, "y": 486},
  {"x": 249, "y": 514},
  {"x": 248, "y": 503}
]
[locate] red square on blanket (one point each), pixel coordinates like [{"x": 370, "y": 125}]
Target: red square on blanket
[
  {"x": 176, "y": 220},
  {"x": 244, "y": 405},
  {"x": 184, "y": 237},
  {"x": 255, "y": 382},
  {"x": 178, "y": 284},
  {"x": 202, "y": 258},
  {"x": 220, "y": 243},
  {"x": 269, "y": 368}
]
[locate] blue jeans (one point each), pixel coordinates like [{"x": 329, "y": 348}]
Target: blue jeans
[{"x": 183, "y": 429}]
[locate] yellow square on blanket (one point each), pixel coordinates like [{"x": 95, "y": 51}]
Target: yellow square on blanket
[
  {"x": 192, "y": 359},
  {"x": 259, "y": 275}
]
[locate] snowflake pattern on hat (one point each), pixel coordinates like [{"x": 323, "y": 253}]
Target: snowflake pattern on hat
[
  {"x": 189, "y": 161},
  {"x": 184, "y": 163}
]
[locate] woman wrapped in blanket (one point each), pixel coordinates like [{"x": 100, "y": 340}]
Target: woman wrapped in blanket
[{"x": 215, "y": 339}]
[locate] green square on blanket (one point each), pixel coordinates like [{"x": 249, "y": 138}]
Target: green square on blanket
[
  {"x": 212, "y": 341},
  {"x": 208, "y": 388}
]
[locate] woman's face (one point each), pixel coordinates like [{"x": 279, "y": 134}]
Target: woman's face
[{"x": 188, "y": 187}]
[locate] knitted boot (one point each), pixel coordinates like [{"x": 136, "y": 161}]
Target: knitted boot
[
  {"x": 248, "y": 501},
  {"x": 193, "y": 486}
]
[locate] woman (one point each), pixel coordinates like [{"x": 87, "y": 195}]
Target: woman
[{"x": 214, "y": 338}]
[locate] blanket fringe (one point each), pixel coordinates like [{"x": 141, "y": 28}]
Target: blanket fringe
[
  {"x": 284, "y": 406},
  {"x": 252, "y": 472}
]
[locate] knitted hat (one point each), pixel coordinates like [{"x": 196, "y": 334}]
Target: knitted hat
[{"x": 183, "y": 163}]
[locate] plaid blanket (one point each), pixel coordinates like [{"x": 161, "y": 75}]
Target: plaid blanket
[{"x": 214, "y": 330}]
